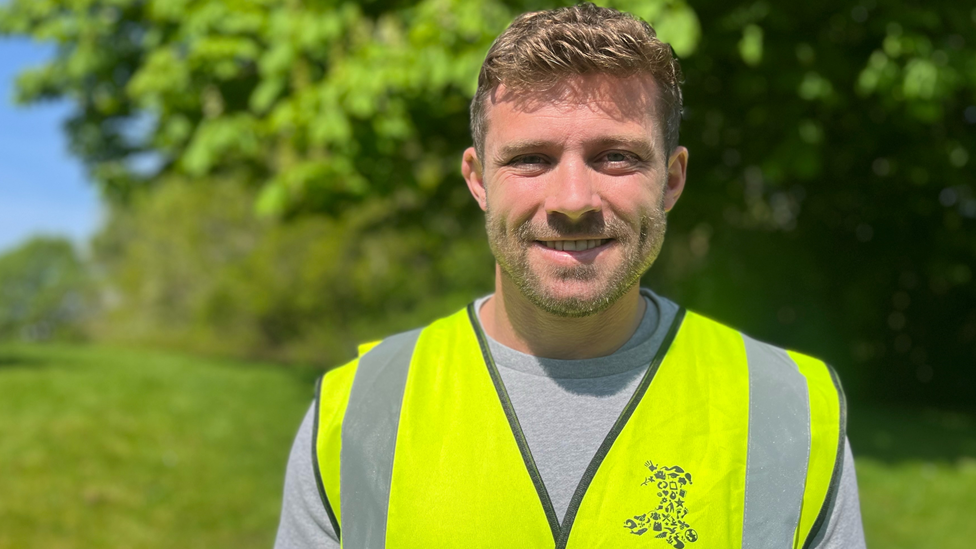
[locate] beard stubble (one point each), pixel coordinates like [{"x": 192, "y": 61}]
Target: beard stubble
[{"x": 640, "y": 249}]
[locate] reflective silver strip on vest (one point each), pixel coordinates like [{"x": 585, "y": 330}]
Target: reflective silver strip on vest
[
  {"x": 369, "y": 431},
  {"x": 779, "y": 448}
]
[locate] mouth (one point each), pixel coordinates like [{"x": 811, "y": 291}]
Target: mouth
[{"x": 574, "y": 245}]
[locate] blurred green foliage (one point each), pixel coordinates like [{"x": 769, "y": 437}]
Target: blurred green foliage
[
  {"x": 831, "y": 204},
  {"x": 44, "y": 290},
  {"x": 191, "y": 267},
  {"x": 829, "y": 208}
]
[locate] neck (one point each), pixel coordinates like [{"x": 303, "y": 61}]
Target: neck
[{"x": 512, "y": 320}]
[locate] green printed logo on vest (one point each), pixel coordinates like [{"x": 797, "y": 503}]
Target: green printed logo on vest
[{"x": 667, "y": 520}]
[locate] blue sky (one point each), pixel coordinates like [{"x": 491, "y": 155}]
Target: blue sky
[{"x": 43, "y": 189}]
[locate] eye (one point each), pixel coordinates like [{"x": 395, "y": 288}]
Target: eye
[
  {"x": 529, "y": 165},
  {"x": 620, "y": 162},
  {"x": 528, "y": 160},
  {"x": 617, "y": 157}
]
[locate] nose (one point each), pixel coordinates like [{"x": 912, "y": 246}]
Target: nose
[{"x": 572, "y": 191}]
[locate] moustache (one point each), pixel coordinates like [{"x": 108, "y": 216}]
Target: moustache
[{"x": 586, "y": 227}]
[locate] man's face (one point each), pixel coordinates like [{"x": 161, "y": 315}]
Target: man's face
[{"x": 575, "y": 184}]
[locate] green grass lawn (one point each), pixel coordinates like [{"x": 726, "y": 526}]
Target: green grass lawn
[
  {"x": 117, "y": 448},
  {"x": 917, "y": 476},
  {"x": 112, "y": 448}
]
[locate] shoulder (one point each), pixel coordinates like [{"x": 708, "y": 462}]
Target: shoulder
[
  {"x": 374, "y": 362},
  {"x": 332, "y": 389},
  {"x": 756, "y": 349},
  {"x": 770, "y": 366},
  {"x": 304, "y": 520}
]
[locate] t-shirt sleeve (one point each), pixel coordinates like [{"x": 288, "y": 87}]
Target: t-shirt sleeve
[
  {"x": 843, "y": 528},
  {"x": 304, "y": 521}
]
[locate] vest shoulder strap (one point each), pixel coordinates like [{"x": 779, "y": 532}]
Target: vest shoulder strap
[
  {"x": 796, "y": 404},
  {"x": 354, "y": 399},
  {"x": 828, "y": 426},
  {"x": 331, "y": 399}
]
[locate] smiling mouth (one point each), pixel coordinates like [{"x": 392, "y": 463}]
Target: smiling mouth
[{"x": 573, "y": 245}]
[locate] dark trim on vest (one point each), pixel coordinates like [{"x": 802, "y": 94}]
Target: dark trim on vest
[
  {"x": 516, "y": 428},
  {"x": 618, "y": 426},
  {"x": 315, "y": 459},
  {"x": 838, "y": 463}
]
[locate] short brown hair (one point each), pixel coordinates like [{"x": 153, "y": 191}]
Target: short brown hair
[{"x": 541, "y": 48}]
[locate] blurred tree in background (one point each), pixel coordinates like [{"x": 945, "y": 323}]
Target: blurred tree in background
[
  {"x": 830, "y": 204},
  {"x": 192, "y": 267},
  {"x": 282, "y": 174},
  {"x": 44, "y": 290}
]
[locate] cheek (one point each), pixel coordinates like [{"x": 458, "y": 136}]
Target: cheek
[
  {"x": 632, "y": 201},
  {"x": 513, "y": 202}
]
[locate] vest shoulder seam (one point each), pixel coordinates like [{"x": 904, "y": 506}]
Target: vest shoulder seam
[
  {"x": 834, "y": 485},
  {"x": 315, "y": 458}
]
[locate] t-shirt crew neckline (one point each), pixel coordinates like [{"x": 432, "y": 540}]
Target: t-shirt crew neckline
[{"x": 634, "y": 354}]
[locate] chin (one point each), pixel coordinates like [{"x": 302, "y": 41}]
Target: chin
[{"x": 573, "y": 298}]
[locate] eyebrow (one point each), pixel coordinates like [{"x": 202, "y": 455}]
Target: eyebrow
[
  {"x": 522, "y": 146},
  {"x": 643, "y": 147}
]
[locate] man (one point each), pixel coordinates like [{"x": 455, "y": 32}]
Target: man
[{"x": 572, "y": 408}]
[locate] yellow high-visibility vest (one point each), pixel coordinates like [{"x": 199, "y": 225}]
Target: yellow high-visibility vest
[{"x": 727, "y": 443}]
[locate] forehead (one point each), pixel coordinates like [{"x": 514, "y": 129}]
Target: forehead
[{"x": 588, "y": 104}]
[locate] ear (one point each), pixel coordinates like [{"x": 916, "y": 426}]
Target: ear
[
  {"x": 473, "y": 174},
  {"x": 677, "y": 172}
]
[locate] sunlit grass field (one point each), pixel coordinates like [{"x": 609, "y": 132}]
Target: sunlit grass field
[
  {"x": 110, "y": 448},
  {"x": 917, "y": 476}
]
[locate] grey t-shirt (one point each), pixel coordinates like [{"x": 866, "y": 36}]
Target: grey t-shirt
[
  {"x": 565, "y": 409},
  {"x": 581, "y": 399}
]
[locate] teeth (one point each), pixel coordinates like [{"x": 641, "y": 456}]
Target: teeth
[{"x": 573, "y": 245}]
